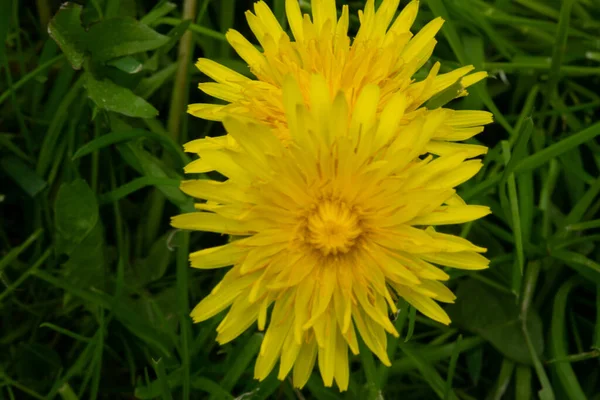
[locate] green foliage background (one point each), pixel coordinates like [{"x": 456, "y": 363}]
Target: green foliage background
[{"x": 95, "y": 287}]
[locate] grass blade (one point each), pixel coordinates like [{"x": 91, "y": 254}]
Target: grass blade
[
  {"x": 452, "y": 368},
  {"x": 560, "y": 45},
  {"x": 514, "y": 209},
  {"x": 559, "y": 343},
  {"x": 134, "y": 186},
  {"x": 558, "y": 148}
]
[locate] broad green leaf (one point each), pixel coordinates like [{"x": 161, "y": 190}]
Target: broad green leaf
[
  {"x": 79, "y": 236},
  {"x": 66, "y": 30},
  {"x": 139, "y": 325},
  {"x": 161, "y": 373},
  {"x": 118, "y": 37},
  {"x": 154, "y": 266},
  {"x": 159, "y": 309},
  {"x": 495, "y": 317},
  {"x": 75, "y": 214},
  {"x": 112, "y": 97},
  {"x": 120, "y": 8},
  {"x": 127, "y": 64},
  {"x": 85, "y": 266}
]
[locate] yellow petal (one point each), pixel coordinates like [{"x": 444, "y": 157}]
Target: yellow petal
[
  {"x": 204, "y": 221},
  {"x": 444, "y": 148},
  {"x": 425, "y": 305},
  {"x": 460, "y": 174},
  {"x": 327, "y": 353},
  {"x": 220, "y": 299},
  {"x": 219, "y": 72},
  {"x": 390, "y": 117},
  {"x": 473, "y": 78},
  {"x": 434, "y": 169},
  {"x": 405, "y": 19},
  {"x": 392, "y": 267},
  {"x": 262, "y": 312},
  {"x": 303, "y": 296},
  {"x": 207, "y": 143},
  {"x": 452, "y": 215},
  {"x": 246, "y": 50},
  {"x": 326, "y": 286},
  {"x": 304, "y": 363},
  {"x": 198, "y": 166},
  {"x": 416, "y": 47},
  {"x": 342, "y": 370},
  {"x": 372, "y": 311},
  {"x": 259, "y": 257},
  {"x": 221, "y": 91},
  {"x": 422, "y": 268},
  {"x": 452, "y": 243},
  {"x": 342, "y": 41},
  {"x": 270, "y": 349},
  {"x": 469, "y": 118},
  {"x": 222, "y": 192},
  {"x": 289, "y": 354},
  {"x": 446, "y": 80},
  {"x": 294, "y": 17},
  {"x": 239, "y": 318},
  {"x": 372, "y": 334},
  {"x": 219, "y": 256},
  {"x": 211, "y": 112},
  {"x": 365, "y": 109},
  {"x": 440, "y": 291},
  {"x": 268, "y": 20},
  {"x": 462, "y": 260},
  {"x": 455, "y": 200},
  {"x": 385, "y": 13}
]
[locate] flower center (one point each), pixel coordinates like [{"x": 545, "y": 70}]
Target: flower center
[{"x": 333, "y": 228}]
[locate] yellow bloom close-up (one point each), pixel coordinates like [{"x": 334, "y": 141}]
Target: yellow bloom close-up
[
  {"x": 332, "y": 226},
  {"x": 384, "y": 53}
]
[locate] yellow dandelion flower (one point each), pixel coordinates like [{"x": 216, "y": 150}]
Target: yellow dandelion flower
[
  {"x": 335, "y": 226},
  {"x": 383, "y": 53}
]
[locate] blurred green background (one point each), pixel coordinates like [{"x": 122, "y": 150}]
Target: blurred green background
[{"x": 95, "y": 288}]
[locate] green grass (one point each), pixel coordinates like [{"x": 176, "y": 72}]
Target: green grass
[{"x": 95, "y": 288}]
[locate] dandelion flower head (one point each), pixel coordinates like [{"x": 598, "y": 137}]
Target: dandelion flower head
[
  {"x": 384, "y": 53},
  {"x": 334, "y": 226}
]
